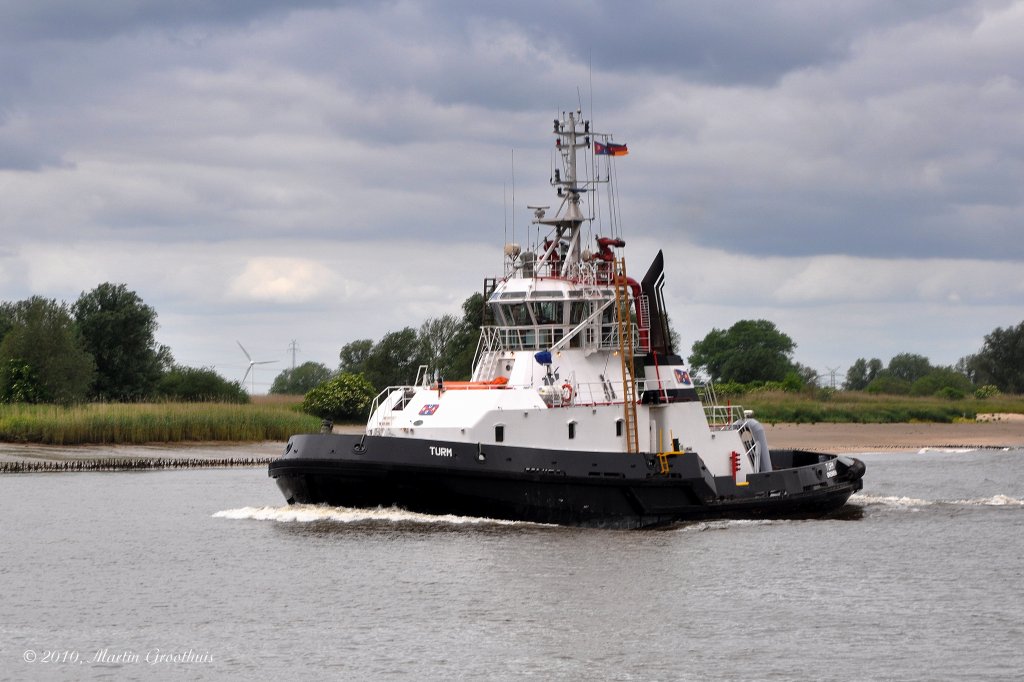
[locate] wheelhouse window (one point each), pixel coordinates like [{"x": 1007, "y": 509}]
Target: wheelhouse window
[
  {"x": 548, "y": 312},
  {"x": 578, "y": 312},
  {"x": 518, "y": 315}
]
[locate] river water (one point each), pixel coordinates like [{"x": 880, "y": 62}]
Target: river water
[{"x": 204, "y": 574}]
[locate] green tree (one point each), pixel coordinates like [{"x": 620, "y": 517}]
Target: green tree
[
  {"x": 909, "y": 366},
  {"x": 456, "y": 363},
  {"x": 436, "y": 337},
  {"x": 18, "y": 383},
  {"x": 199, "y": 384},
  {"x": 6, "y": 318},
  {"x": 343, "y": 398},
  {"x": 394, "y": 359},
  {"x": 861, "y": 373},
  {"x": 473, "y": 310},
  {"x": 353, "y": 356},
  {"x": 887, "y": 383},
  {"x": 301, "y": 380},
  {"x": 750, "y": 350},
  {"x": 802, "y": 375},
  {"x": 119, "y": 331},
  {"x": 449, "y": 343},
  {"x": 939, "y": 380},
  {"x": 1000, "y": 362},
  {"x": 446, "y": 344},
  {"x": 43, "y": 337}
]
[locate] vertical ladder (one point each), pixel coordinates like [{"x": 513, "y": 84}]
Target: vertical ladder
[
  {"x": 625, "y": 323},
  {"x": 643, "y": 321},
  {"x": 487, "y": 317}
]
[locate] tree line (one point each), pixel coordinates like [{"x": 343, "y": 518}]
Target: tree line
[
  {"x": 445, "y": 344},
  {"x": 101, "y": 348},
  {"x": 754, "y": 353}
]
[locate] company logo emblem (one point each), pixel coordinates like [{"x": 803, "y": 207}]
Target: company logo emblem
[{"x": 428, "y": 410}]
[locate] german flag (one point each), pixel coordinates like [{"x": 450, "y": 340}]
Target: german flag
[{"x": 610, "y": 149}]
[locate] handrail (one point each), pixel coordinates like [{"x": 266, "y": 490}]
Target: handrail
[
  {"x": 597, "y": 272},
  {"x": 545, "y": 337},
  {"x": 581, "y": 326},
  {"x": 725, "y": 417}
]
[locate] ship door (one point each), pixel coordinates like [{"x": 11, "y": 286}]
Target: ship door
[{"x": 748, "y": 444}]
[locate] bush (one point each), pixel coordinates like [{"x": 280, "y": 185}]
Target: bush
[
  {"x": 889, "y": 384},
  {"x": 792, "y": 382},
  {"x": 950, "y": 393},
  {"x": 938, "y": 379},
  {"x": 18, "y": 383},
  {"x": 300, "y": 380},
  {"x": 730, "y": 389},
  {"x": 987, "y": 391},
  {"x": 343, "y": 398},
  {"x": 194, "y": 384}
]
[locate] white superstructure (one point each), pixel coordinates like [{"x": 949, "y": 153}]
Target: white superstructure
[{"x": 555, "y": 365}]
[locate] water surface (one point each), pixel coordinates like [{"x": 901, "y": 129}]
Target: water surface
[{"x": 208, "y": 568}]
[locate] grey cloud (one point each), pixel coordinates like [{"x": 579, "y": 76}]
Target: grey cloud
[
  {"x": 720, "y": 41},
  {"x": 399, "y": 117},
  {"x": 80, "y": 20}
]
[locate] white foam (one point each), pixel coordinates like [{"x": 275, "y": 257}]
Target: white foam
[
  {"x": 910, "y": 502},
  {"x": 891, "y": 500},
  {"x": 994, "y": 501},
  {"x": 308, "y": 513},
  {"x": 724, "y": 524}
]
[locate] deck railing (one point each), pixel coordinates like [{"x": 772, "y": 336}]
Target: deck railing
[
  {"x": 562, "y": 392},
  {"x": 543, "y": 337}
]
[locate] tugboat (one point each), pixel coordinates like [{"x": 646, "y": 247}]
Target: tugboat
[{"x": 579, "y": 411}]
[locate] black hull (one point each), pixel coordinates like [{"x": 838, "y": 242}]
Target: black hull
[{"x": 353, "y": 472}]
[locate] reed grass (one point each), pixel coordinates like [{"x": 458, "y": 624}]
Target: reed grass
[
  {"x": 139, "y": 423},
  {"x": 292, "y": 402},
  {"x": 865, "y": 408},
  {"x": 276, "y": 418}
]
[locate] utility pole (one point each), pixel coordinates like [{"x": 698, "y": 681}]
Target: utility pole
[
  {"x": 832, "y": 373},
  {"x": 293, "y": 347}
]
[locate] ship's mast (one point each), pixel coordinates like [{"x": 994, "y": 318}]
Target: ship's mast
[{"x": 571, "y": 134}]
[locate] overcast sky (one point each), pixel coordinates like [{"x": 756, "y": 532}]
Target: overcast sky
[{"x": 325, "y": 171}]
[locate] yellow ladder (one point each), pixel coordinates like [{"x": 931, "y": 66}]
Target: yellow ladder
[{"x": 625, "y": 322}]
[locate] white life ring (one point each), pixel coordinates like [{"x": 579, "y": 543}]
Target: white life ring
[{"x": 567, "y": 392}]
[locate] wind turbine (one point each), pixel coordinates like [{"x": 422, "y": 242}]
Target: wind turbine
[{"x": 252, "y": 363}]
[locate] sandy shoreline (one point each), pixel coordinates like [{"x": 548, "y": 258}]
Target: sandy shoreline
[
  {"x": 1002, "y": 433},
  {"x": 188, "y": 454},
  {"x": 895, "y": 437}
]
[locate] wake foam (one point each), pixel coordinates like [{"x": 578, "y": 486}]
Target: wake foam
[
  {"x": 890, "y": 501},
  {"x": 911, "y": 502},
  {"x": 994, "y": 501},
  {"x": 309, "y": 513},
  {"x": 724, "y": 524}
]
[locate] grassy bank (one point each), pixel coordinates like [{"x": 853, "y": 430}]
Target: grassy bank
[
  {"x": 276, "y": 418},
  {"x": 117, "y": 423},
  {"x": 864, "y": 408}
]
